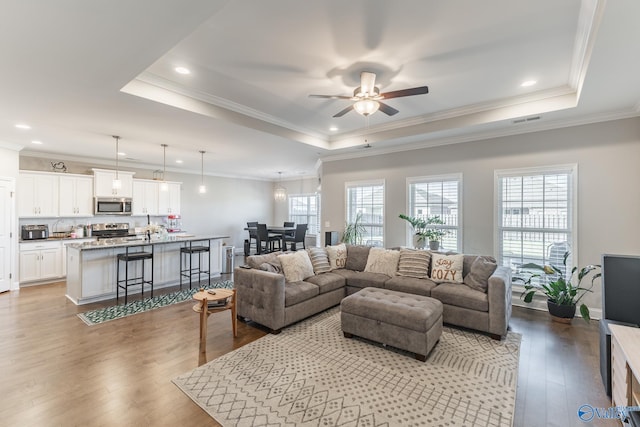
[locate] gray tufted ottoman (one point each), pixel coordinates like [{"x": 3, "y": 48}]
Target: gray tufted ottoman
[{"x": 405, "y": 321}]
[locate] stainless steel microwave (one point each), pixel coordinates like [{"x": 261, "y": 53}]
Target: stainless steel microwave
[{"x": 112, "y": 206}]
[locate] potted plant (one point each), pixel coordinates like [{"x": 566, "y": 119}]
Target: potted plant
[
  {"x": 354, "y": 231},
  {"x": 434, "y": 235},
  {"x": 562, "y": 295},
  {"x": 418, "y": 225},
  {"x": 422, "y": 233}
]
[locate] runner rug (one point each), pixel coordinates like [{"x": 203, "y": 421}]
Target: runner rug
[
  {"x": 105, "y": 314},
  {"x": 310, "y": 375}
]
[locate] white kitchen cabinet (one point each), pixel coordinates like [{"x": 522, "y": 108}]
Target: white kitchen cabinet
[
  {"x": 40, "y": 261},
  {"x": 37, "y": 195},
  {"x": 103, "y": 183},
  {"x": 145, "y": 197},
  {"x": 169, "y": 200},
  {"x": 76, "y": 196}
]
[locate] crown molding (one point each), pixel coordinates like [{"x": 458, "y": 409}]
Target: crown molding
[
  {"x": 490, "y": 134},
  {"x": 11, "y": 146}
]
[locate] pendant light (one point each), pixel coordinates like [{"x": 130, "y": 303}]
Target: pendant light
[
  {"x": 116, "y": 183},
  {"x": 202, "y": 189},
  {"x": 280, "y": 193},
  {"x": 163, "y": 185}
]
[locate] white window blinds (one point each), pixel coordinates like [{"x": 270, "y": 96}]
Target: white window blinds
[
  {"x": 368, "y": 200},
  {"x": 536, "y": 216}
]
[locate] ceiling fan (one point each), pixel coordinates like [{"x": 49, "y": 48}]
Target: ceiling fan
[{"x": 367, "y": 97}]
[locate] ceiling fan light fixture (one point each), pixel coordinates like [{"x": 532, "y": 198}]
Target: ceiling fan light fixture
[{"x": 366, "y": 107}]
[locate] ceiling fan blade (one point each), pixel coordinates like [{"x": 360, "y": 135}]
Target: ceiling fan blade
[
  {"x": 331, "y": 96},
  {"x": 389, "y": 111},
  {"x": 405, "y": 92},
  {"x": 343, "y": 112},
  {"x": 367, "y": 82}
]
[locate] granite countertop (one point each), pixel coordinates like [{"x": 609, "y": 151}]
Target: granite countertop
[{"x": 123, "y": 242}]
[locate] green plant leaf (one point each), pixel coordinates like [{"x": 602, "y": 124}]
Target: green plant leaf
[
  {"x": 584, "y": 312},
  {"x": 528, "y": 297}
]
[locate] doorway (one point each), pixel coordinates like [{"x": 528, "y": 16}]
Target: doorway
[{"x": 7, "y": 248}]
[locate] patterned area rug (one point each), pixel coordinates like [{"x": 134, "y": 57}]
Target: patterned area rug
[
  {"x": 310, "y": 375},
  {"x": 102, "y": 315}
]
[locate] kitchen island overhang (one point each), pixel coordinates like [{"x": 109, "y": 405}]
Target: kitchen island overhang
[{"x": 91, "y": 266}]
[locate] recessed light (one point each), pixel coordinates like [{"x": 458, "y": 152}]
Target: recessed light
[
  {"x": 120, "y": 153},
  {"x": 37, "y": 142},
  {"x": 333, "y": 128},
  {"x": 182, "y": 70},
  {"x": 179, "y": 161},
  {"x": 528, "y": 83},
  {"x": 23, "y": 126}
]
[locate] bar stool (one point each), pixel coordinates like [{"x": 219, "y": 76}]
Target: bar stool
[
  {"x": 127, "y": 258},
  {"x": 188, "y": 251}
]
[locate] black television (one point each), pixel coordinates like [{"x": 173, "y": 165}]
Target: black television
[{"x": 621, "y": 288}]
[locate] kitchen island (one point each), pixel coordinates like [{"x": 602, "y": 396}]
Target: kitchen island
[{"x": 91, "y": 266}]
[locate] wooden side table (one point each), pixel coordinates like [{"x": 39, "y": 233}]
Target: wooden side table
[{"x": 204, "y": 297}]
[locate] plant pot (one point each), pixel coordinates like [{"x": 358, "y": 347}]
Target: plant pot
[
  {"x": 561, "y": 313},
  {"x": 434, "y": 245},
  {"x": 418, "y": 241}
]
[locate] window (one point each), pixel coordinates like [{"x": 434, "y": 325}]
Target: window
[
  {"x": 536, "y": 216},
  {"x": 368, "y": 200},
  {"x": 303, "y": 209},
  {"x": 431, "y": 196}
]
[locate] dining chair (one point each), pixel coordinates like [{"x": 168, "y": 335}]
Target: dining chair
[
  {"x": 289, "y": 224},
  {"x": 298, "y": 237},
  {"x": 253, "y": 234},
  {"x": 265, "y": 241}
]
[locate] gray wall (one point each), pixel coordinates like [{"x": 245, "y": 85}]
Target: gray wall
[{"x": 608, "y": 159}]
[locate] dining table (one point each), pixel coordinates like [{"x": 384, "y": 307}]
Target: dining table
[{"x": 275, "y": 229}]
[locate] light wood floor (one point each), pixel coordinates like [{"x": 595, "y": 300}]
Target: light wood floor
[{"x": 57, "y": 371}]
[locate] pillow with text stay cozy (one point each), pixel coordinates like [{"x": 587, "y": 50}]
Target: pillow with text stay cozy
[{"x": 446, "y": 268}]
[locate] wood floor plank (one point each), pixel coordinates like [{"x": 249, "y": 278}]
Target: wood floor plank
[{"x": 58, "y": 371}]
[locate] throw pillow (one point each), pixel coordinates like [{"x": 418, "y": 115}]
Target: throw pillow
[
  {"x": 296, "y": 266},
  {"x": 481, "y": 269},
  {"x": 271, "y": 267},
  {"x": 255, "y": 261},
  {"x": 319, "y": 260},
  {"x": 446, "y": 268},
  {"x": 337, "y": 256},
  {"x": 357, "y": 257},
  {"x": 383, "y": 261},
  {"x": 414, "y": 263}
]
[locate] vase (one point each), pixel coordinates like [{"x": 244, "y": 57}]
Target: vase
[
  {"x": 418, "y": 241},
  {"x": 561, "y": 313},
  {"x": 434, "y": 245}
]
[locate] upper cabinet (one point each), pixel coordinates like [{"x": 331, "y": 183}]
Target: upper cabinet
[
  {"x": 37, "y": 194},
  {"x": 76, "y": 195},
  {"x": 169, "y": 200},
  {"x": 145, "y": 197},
  {"x": 103, "y": 183}
]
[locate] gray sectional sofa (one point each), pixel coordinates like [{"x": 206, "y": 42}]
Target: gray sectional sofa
[{"x": 267, "y": 298}]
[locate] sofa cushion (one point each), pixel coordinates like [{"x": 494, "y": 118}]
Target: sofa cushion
[
  {"x": 296, "y": 266},
  {"x": 469, "y": 260},
  {"x": 414, "y": 263},
  {"x": 362, "y": 279},
  {"x": 446, "y": 268},
  {"x": 410, "y": 285},
  {"x": 319, "y": 260},
  {"x": 357, "y": 257},
  {"x": 481, "y": 269},
  {"x": 327, "y": 282},
  {"x": 384, "y": 261},
  {"x": 254, "y": 261},
  {"x": 297, "y": 292},
  {"x": 337, "y": 256},
  {"x": 460, "y": 295}
]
